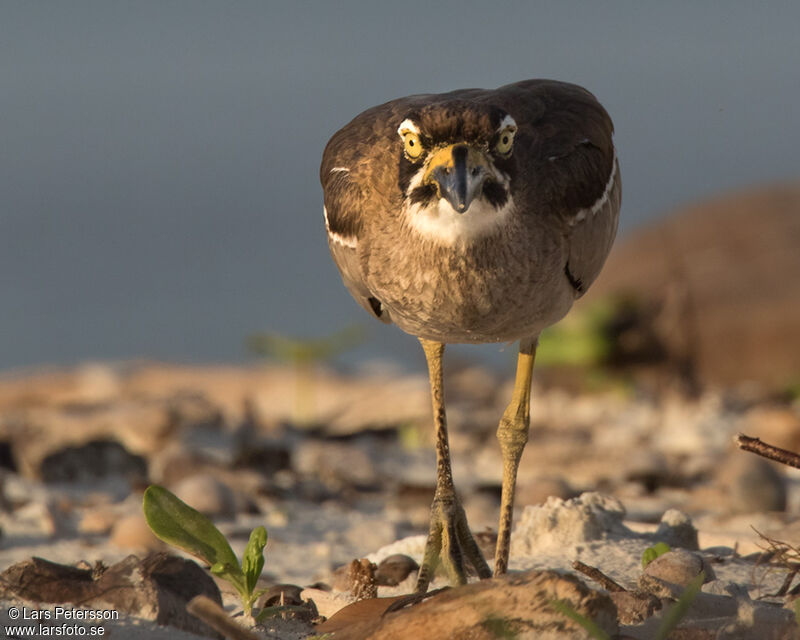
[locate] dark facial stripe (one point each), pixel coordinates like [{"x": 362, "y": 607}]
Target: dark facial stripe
[
  {"x": 424, "y": 194},
  {"x": 495, "y": 193},
  {"x": 406, "y": 170}
]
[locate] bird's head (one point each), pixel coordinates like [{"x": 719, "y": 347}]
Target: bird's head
[{"x": 456, "y": 163}]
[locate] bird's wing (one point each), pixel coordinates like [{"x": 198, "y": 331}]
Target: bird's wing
[
  {"x": 571, "y": 168},
  {"x": 346, "y": 202},
  {"x": 593, "y": 230}
]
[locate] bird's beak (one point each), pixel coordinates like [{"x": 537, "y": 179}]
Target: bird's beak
[{"x": 459, "y": 172}]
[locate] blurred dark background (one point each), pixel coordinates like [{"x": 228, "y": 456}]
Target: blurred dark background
[{"x": 159, "y": 194}]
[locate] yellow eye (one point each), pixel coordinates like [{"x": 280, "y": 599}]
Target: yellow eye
[
  {"x": 506, "y": 140},
  {"x": 413, "y": 147}
]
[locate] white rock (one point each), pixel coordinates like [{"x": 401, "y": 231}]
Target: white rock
[{"x": 559, "y": 523}]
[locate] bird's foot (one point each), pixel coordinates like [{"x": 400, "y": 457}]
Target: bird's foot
[{"x": 450, "y": 541}]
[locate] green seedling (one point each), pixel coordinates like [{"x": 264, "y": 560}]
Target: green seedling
[
  {"x": 179, "y": 525},
  {"x": 651, "y": 553}
]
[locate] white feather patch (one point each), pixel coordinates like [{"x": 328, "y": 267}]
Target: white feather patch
[
  {"x": 351, "y": 242},
  {"x": 408, "y": 125},
  {"x": 581, "y": 215},
  {"x": 444, "y": 225},
  {"x": 508, "y": 121},
  {"x": 441, "y": 223}
]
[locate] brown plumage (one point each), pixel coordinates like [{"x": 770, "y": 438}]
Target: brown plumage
[{"x": 473, "y": 216}]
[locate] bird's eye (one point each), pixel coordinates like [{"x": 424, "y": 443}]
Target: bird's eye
[
  {"x": 506, "y": 140},
  {"x": 413, "y": 147}
]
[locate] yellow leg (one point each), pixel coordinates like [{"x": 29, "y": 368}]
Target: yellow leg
[
  {"x": 449, "y": 537},
  {"x": 513, "y": 435}
]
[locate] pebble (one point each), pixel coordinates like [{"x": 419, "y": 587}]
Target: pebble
[
  {"x": 751, "y": 483},
  {"x": 208, "y": 495},
  {"x": 99, "y": 520},
  {"x": 394, "y": 569},
  {"x": 131, "y": 532},
  {"x": 679, "y": 567},
  {"x": 677, "y": 530}
]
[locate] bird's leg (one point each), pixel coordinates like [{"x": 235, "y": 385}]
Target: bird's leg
[
  {"x": 449, "y": 537},
  {"x": 513, "y": 435}
]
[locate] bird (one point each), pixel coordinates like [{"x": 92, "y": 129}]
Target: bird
[{"x": 473, "y": 216}]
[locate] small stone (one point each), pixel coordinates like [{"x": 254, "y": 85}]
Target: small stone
[
  {"x": 394, "y": 569},
  {"x": 751, "y": 484},
  {"x": 208, "y": 495},
  {"x": 131, "y": 532},
  {"x": 97, "y": 521},
  {"x": 677, "y": 530},
  {"x": 677, "y": 568},
  {"x": 157, "y": 588},
  {"x": 91, "y": 461}
]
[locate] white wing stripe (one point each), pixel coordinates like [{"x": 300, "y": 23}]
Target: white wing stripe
[
  {"x": 351, "y": 242},
  {"x": 601, "y": 201}
]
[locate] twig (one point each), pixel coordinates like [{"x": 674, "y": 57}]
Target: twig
[
  {"x": 754, "y": 445},
  {"x": 598, "y": 576},
  {"x": 786, "y": 583},
  {"x": 216, "y": 618}
]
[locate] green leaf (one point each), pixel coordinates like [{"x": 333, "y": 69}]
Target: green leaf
[
  {"x": 253, "y": 558},
  {"x": 678, "y": 611},
  {"x": 176, "y": 523},
  {"x": 651, "y": 553},
  {"x": 590, "y": 626}
]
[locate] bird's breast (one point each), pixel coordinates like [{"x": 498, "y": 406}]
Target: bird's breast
[{"x": 498, "y": 287}]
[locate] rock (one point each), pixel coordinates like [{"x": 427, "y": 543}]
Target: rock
[
  {"x": 557, "y": 523},
  {"x": 670, "y": 573},
  {"x": 131, "y": 532},
  {"x": 91, "y": 461},
  {"x": 518, "y": 605},
  {"x": 751, "y": 484},
  {"x": 208, "y": 495},
  {"x": 394, "y": 569},
  {"x": 728, "y": 314},
  {"x": 99, "y": 520},
  {"x": 677, "y": 530},
  {"x": 156, "y": 588}
]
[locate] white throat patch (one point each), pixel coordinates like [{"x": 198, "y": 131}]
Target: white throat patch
[
  {"x": 441, "y": 223},
  {"x": 438, "y": 221}
]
